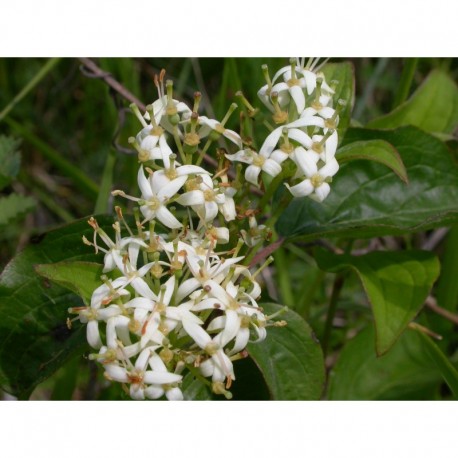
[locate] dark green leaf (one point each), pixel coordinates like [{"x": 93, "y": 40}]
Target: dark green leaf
[
  {"x": 10, "y": 159},
  {"x": 34, "y": 339},
  {"x": 80, "y": 277},
  {"x": 433, "y": 107},
  {"x": 396, "y": 284},
  {"x": 448, "y": 372},
  {"x": 344, "y": 74},
  {"x": 403, "y": 373},
  {"x": 290, "y": 358},
  {"x": 374, "y": 150},
  {"x": 368, "y": 200},
  {"x": 14, "y": 206}
]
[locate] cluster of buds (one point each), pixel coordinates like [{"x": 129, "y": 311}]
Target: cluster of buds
[
  {"x": 175, "y": 296},
  {"x": 305, "y": 136}
]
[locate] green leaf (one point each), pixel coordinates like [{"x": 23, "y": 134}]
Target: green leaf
[
  {"x": 403, "y": 373},
  {"x": 195, "y": 390},
  {"x": 433, "y": 107},
  {"x": 10, "y": 159},
  {"x": 344, "y": 74},
  {"x": 290, "y": 358},
  {"x": 374, "y": 150},
  {"x": 367, "y": 200},
  {"x": 34, "y": 339},
  {"x": 14, "y": 206},
  {"x": 80, "y": 277},
  {"x": 437, "y": 357},
  {"x": 396, "y": 284}
]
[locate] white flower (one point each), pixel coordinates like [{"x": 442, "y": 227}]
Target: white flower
[
  {"x": 314, "y": 185},
  {"x": 257, "y": 163},
  {"x": 256, "y": 233},
  {"x": 204, "y": 199},
  {"x": 102, "y": 296},
  {"x": 156, "y": 193},
  {"x": 220, "y": 366},
  {"x": 209, "y": 125},
  {"x": 143, "y": 382},
  {"x": 241, "y": 312}
]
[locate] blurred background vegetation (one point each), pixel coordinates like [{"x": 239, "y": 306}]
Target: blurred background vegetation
[{"x": 71, "y": 130}]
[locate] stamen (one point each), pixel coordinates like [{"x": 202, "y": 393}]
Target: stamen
[
  {"x": 136, "y": 112},
  {"x": 197, "y": 99},
  {"x": 268, "y": 261},
  {"x": 265, "y": 71},
  {"x": 228, "y": 114}
]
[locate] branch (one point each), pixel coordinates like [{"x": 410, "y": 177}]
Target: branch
[
  {"x": 266, "y": 252},
  {"x": 432, "y": 304},
  {"x": 97, "y": 72}
]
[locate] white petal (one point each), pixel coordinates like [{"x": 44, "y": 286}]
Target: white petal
[
  {"x": 154, "y": 392},
  {"x": 211, "y": 210},
  {"x": 157, "y": 364},
  {"x": 327, "y": 112},
  {"x": 169, "y": 191},
  {"x": 281, "y": 72},
  {"x": 167, "y": 219},
  {"x": 169, "y": 288},
  {"x": 160, "y": 378},
  {"x": 252, "y": 174},
  {"x": 200, "y": 337},
  {"x": 279, "y": 87},
  {"x": 234, "y": 137},
  {"x": 174, "y": 394},
  {"x": 149, "y": 142},
  {"x": 279, "y": 156},
  {"x": 144, "y": 184},
  {"x": 231, "y": 328},
  {"x": 142, "y": 288},
  {"x": 142, "y": 360},
  {"x": 245, "y": 156},
  {"x": 298, "y": 96},
  {"x": 310, "y": 81},
  {"x": 304, "y": 188},
  {"x": 191, "y": 198},
  {"x": 141, "y": 302},
  {"x": 322, "y": 192},
  {"x": 300, "y": 137},
  {"x": 331, "y": 146},
  {"x": 116, "y": 373},
  {"x": 186, "y": 288},
  {"x": 271, "y": 167},
  {"x": 305, "y": 161},
  {"x": 271, "y": 142},
  {"x": 190, "y": 170},
  {"x": 137, "y": 392},
  {"x": 330, "y": 169},
  {"x": 93, "y": 335},
  {"x": 305, "y": 121},
  {"x": 241, "y": 340}
]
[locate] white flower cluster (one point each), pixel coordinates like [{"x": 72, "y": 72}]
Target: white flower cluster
[
  {"x": 302, "y": 107},
  {"x": 174, "y": 302}
]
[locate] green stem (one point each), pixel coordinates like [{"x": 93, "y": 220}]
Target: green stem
[
  {"x": 408, "y": 72},
  {"x": 336, "y": 289},
  {"x": 106, "y": 184},
  {"x": 82, "y": 182},
  {"x": 47, "y": 67}
]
